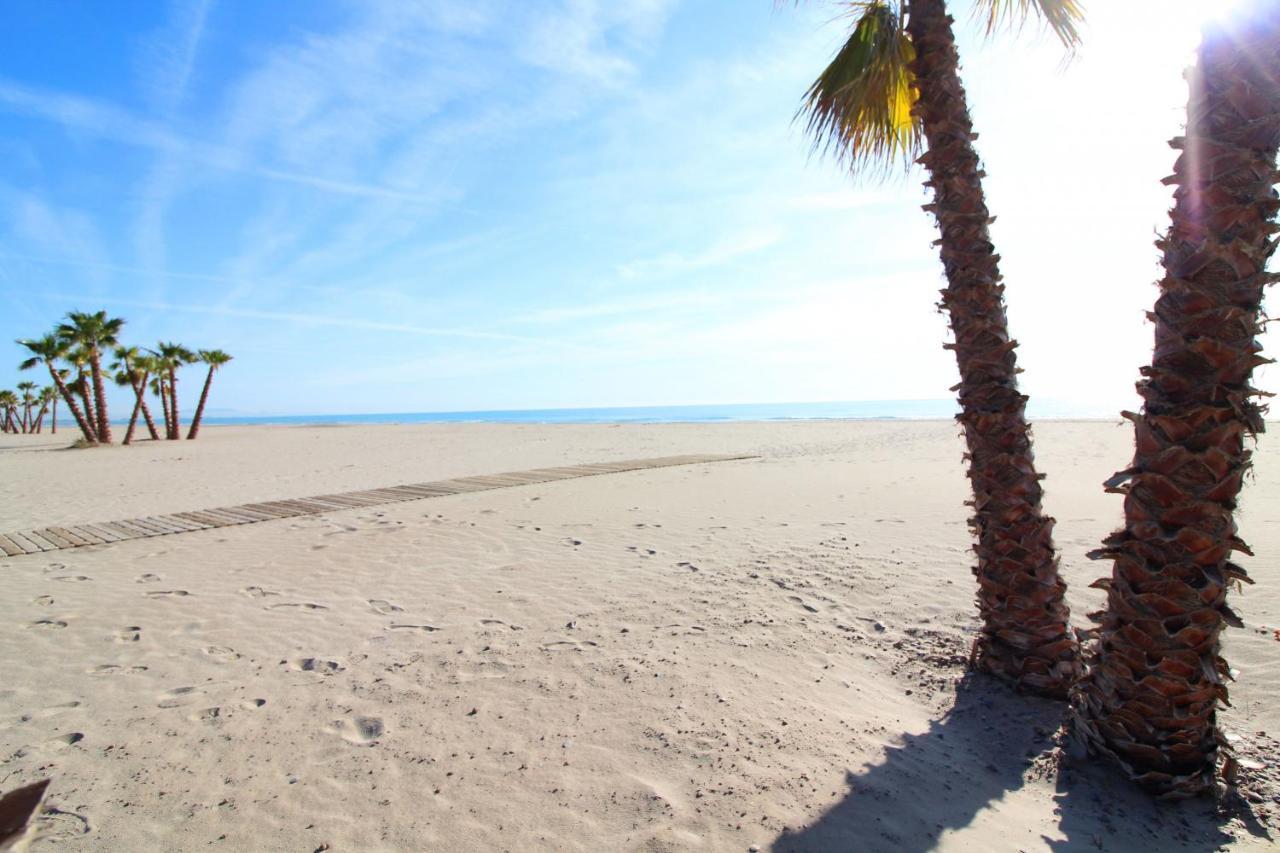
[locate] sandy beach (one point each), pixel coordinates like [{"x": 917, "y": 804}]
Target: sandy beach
[{"x": 765, "y": 654}]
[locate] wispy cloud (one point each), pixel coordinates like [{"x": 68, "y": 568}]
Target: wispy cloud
[
  {"x": 316, "y": 320},
  {"x": 578, "y": 38},
  {"x": 723, "y": 251},
  {"x": 108, "y": 121}
]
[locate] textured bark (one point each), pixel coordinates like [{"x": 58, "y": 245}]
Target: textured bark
[
  {"x": 1156, "y": 672},
  {"x": 139, "y": 390},
  {"x": 1025, "y": 636},
  {"x": 175, "y": 425},
  {"x": 204, "y": 396},
  {"x": 164, "y": 405},
  {"x": 146, "y": 417},
  {"x": 53, "y": 423},
  {"x": 90, "y": 435},
  {"x": 82, "y": 388},
  {"x": 100, "y": 398},
  {"x": 44, "y": 407}
]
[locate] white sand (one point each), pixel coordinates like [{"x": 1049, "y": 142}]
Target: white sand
[{"x": 700, "y": 658}]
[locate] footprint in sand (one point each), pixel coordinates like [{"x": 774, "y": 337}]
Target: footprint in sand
[
  {"x": 257, "y": 592},
  {"x": 114, "y": 669},
  {"x": 147, "y": 578},
  {"x": 421, "y": 629},
  {"x": 798, "y": 600},
  {"x": 43, "y": 600},
  {"x": 168, "y": 593},
  {"x": 54, "y": 825},
  {"x": 488, "y": 622},
  {"x": 178, "y": 696},
  {"x": 48, "y": 624},
  {"x": 63, "y": 741},
  {"x": 298, "y": 605},
  {"x": 54, "y": 710},
  {"x": 324, "y": 667},
  {"x": 132, "y": 634},
  {"x": 72, "y": 578},
  {"x": 362, "y": 731},
  {"x": 253, "y": 704},
  {"x": 562, "y": 646},
  {"x": 207, "y": 715},
  {"x": 571, "y": 542},
  {"x": 383, "y": 607},
  {"x": 221, "y": 653}
]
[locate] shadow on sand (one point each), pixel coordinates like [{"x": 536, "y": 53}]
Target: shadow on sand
[{"x": 994, "y": 742}]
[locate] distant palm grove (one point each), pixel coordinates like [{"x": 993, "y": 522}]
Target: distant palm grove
[{"x": 81, "y": 355}]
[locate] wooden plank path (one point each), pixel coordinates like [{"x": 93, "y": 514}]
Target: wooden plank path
[{"x": 46, "y": 539}]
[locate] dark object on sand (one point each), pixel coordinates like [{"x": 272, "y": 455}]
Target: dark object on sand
[{"x": 16, "y": 809}]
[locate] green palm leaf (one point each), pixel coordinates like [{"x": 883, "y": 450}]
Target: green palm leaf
[{"x": 859, "y": 110}]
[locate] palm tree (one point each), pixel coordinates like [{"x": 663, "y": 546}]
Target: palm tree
[
  {"x": 27, "y": 400},
  {"x": 892, "y": 91},
  {"x": 215, "y": 358},
  {"x": 132, "y": 370},
  {"x": 47, "y": 396},
  {"x": 78, "y": 358},
  {"x": 47, "y": 350},
  {"x": 9, "y": 404},
  {"x": 147, "y": 365},
  {"x": 53, "y": 424},
  {"x": 93, "y": 333},
  {"x": 158, "y": 388},
  {"x": 172, "y": 356},
  {"x": 1156, "y": 673}
]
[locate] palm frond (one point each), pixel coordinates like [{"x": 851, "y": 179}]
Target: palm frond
[
  {"x": 1063, "y": 17},
  {"x": 859, "y": 110}
]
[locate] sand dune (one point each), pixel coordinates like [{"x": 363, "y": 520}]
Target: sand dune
[{"x": 767, "y": 653}]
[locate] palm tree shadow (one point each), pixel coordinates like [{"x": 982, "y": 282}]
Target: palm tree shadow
[
  {"x": 1099, "y": 809},
  {"x": 989, "y": 744},
  {"x": 939, "y": 779}
]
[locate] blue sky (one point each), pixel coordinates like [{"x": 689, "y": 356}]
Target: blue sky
[{"x": 475, "y": 204}]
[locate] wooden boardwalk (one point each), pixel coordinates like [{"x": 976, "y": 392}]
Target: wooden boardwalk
[{"x": 104, "y": 533}]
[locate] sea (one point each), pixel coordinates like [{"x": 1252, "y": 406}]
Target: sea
[{"x": 852, "y": 409}]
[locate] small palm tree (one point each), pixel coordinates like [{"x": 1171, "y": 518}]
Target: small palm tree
[
  {"x": 132, "y": 369},
  {"x": 27, "y": 399},
  {"x": 47, "y": 350},
  {"x": 1156, "y": 672},
  {"x": 46, "y": 397},
  {"x": 94, "y": 333},
  {"x": 158, "y": 388},
  {"x": 53, "y": 421},
  {"x": 9, "y": 405},
  {"x": 892, "y": 92},
  {"x": 78, "y": 359},
  {"x": 215, "y": 358},
  {"x": 172, "y": 356}
]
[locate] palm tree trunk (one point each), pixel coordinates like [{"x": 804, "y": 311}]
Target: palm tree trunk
[
  {"x": 26, "y": 414},
  {"x": 164, "y": 404},
  {"x": 146, "y": 417},
  {"x": 176, "y": 425},
  {"x": 8, "y": 421},
  {"x": 53, "y": 423},
  {"x": 44, "y": 407},
  {"x": 100, "y": 397},
  {"x": 86, "y": 397},
  {"x": 204, "y": 396},
  {"x": 1025, "y": 636},
  {"x": 1156, "y": 673},
  {"x": 139, "y": 390},
  {"x": 90, "y": 435}
]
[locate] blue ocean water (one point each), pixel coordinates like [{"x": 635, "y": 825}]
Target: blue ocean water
[{"x": 857, "y": 409}]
